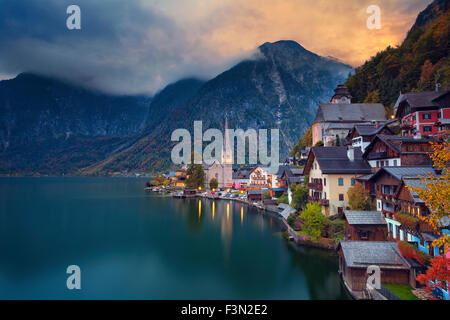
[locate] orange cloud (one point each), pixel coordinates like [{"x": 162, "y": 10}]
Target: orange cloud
[{"x": 329, "y": 28}]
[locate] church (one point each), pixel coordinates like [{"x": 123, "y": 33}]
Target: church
[{"x": 222, "y": 171}]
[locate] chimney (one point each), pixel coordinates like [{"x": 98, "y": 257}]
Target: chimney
[
  {"x": 351, "y": 154},
  {"x": 438, "y": 87}
]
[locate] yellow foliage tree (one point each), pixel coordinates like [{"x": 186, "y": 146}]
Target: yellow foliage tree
[{"x": 435, "y": 192}]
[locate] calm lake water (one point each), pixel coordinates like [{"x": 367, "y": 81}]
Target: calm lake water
[{"x": 134, "y": 245}]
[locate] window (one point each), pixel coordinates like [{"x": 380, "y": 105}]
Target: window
[
  {"x": 427, "y": 129},
  {"x": 439, "y": 115},
  {"x": 395, "y": 163},
  {"x": 324, "y": 181},
  {"x": 341, "y": 197},
  {"x": 353, "y": 181},
  {"x": 341, "y": 181},
  {"x": 414, "y": 118},
  {"x": 426, "y": 116}
]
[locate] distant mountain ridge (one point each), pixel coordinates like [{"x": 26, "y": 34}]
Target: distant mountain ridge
[
  {"x": 279, "y": 88},
  {"x": 50, "y": 127}
]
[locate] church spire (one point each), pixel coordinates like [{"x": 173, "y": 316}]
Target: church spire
[{"x": 227, "y": 155}]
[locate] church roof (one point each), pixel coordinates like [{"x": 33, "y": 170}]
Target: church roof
[{"x": 356, "y": 112}]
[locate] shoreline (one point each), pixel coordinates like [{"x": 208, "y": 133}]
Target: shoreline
[{"x": 300, "y": 240}]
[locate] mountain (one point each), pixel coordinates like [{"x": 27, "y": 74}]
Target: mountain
[
  {"x": 281, "y": 87},
  {"x": 418, "y": 64},
  {"x": 52, "y": 127}
]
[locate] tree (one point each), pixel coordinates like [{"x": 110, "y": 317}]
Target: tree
[
  {"x": 319, "y": 144},
  {"x": 435, "y": 192},
  {"x": 359, "y": 198},
  {"x": 213, "y": 183},
  {"x": 158, "y": 180},
  {"x": 337, "y": 142},
  {"x": 437, "y": 276},
  {"x": 266, "y": 195},
  {"x": 303, "y": 142},
  {"x": 283, "y": 199},
  {"x": 313, "y": 221},
  {"x": 299, "y": 196},
  {"x": 196, "y": 176}
]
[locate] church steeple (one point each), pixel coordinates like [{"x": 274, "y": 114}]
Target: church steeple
[
  {"x": 341, "y": 95},
  {"x": 227, "y": 154}
]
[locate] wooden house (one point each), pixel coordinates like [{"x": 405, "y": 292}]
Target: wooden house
[
  {"x": 386, "y": 184},
  {"x": 356, "y": 256},
  {"x": 365, "y": 226},
  {"x": 361, "y": 135},
  {"x": 395, "y": 151}
]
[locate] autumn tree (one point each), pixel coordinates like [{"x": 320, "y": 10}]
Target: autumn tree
[
  {"x": 303, "y": 142},
  {"x": 435, "y": 191},
  {"x": 437, "y": 276},
  {"x": 359, "y": 198}
]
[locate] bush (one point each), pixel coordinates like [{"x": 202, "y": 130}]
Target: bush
[
  {"x": 359, "y": 198},
  {"x": 283, "y": 199},
  {"x": 314, "y": 222},
  {"x": 299, "y": 196}
]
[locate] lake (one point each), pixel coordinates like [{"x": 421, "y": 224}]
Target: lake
[{"x": 130, "y": 244}]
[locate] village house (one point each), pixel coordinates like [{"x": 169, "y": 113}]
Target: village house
[
  {"x": 177, "y": 178},
  {"x": 410, "y": 204},
  {"x": 386, "y": 182},
  {"x": 256, "y": 195},
  {"x": 365, "y": 226},
  {"x": 395, "y": 151},
  {"x": 356, "y": 256},
  {"x": 337, "y": 118},
  {"x": 241, "y": 177},
  {"x": 290, "y": 176},
  {"x": 423, "y": 113},
  {"x": 361, "y": 135},
  {"x": 332, "y": 171}
]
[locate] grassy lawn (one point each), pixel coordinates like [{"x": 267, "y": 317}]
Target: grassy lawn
[{"x": 402, "y": 291}]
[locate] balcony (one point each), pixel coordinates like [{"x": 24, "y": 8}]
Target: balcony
[
  {"x": 377, "y": 155},
  {"x": 315, "y": 186},
  {"x": 323, "y": 202}
]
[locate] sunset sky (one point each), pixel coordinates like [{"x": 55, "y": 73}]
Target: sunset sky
[{"x": 138, "y": 46}]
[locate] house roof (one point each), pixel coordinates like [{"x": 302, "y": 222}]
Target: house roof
[
  {"x": 369, "y": 129},
  {"x": 385, "y": 254},
  {"x": 285, "y": 210},
  {"x": 357, "y": 112},
  {"x": 335, "y": 160},
  {"x": 400, "y": 172},
  {"x": 364, "y": 217},
  {"x": 367, "y": 177},
  {"x": 421, "y": 99},
  {"x": 257, "y": 191},
  {"x": 395, "y": 143},
  {"x": 414, "y": 182}
]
